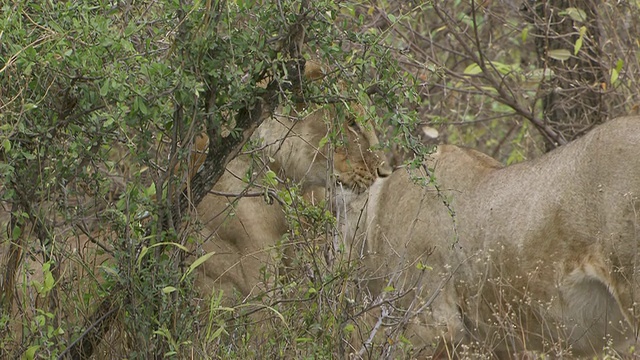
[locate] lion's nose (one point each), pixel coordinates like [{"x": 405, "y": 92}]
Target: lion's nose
[{"x": 384, "y": 170}]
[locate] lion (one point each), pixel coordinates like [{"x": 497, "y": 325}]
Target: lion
[
  {"x": 242, "y": 230},
  {"x": 540, "y": 256}
]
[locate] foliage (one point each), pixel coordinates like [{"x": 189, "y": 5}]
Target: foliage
[
  {"x": 505, "y": 77},
  {"x": 100, "y": 103}
]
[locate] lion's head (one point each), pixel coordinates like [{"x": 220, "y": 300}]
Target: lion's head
[
  {"x": 302, "y": 144},
  {"x": 540, "y": 256},
  {"x": 300, "y": 149}
]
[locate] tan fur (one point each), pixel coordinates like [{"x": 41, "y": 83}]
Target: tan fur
[
  {"x": 241, "y": 231},
  {"x": 540, "y": 256}
]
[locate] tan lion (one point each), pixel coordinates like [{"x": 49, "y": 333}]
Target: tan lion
[
  {"x": 242, "y": 230},
  {"x": 541, "y": 256}
]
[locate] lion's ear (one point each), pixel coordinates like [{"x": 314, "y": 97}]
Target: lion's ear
[{"x": 313, "y": 71}]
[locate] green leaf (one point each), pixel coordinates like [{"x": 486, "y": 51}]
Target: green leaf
[
  {"x": 389, "y": 289},
  {"x": 130, "y": 29},
  {"x": 150, "y": 190},
  {"x": 31, "y": 352},
  {"x": 15, "y": 234},
  {"x": 143, "y": 107},
  {"x": 143, "y": 252},
  {"x": 286, "y": 197},
  {"x": 515, "y": 157},
  {"x": 145, "y": 249},
  {"x": 29, "y": 106},
  {"x": 48, "y": 281},
  {"x": 583, "y": 31},
  {"x": 47, "y": 284},
  {"x": 168, "y": 289},
  {"x": 472, "y": 69},
  {"x": 199, "y": 261},
  {"x": 111, "y": 271},
  {"x": 349, "y": 328},
  {"x": 614, "y": 76},
  {"x": 502, "y": 68},
  {"x": 475, "y": 69},
  {"x": 525, "y": 34},
  {"x": 576, "y": 14},
  {"x": 270, "y": 178},
  {"x": 323, "y": 142},
  {"x": 560, "y": 54},
  {"x": 6, "y": 145},
  {"x": 37, "y": 285},
  {"x": 28, "y": 70},
  {"x": 577, "y": 46},
  {"x": 104, "y": 89},
  {"x": 28, "y": 155},
  {"x": 163, "y": 332},
  {"x": 216, "y": 334}
]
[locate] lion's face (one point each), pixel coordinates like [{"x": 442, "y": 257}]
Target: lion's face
[
  {"x": 302, "y": 150},
  {"x": 540, "y": 256},
  {"x": 357, "y": 161}
]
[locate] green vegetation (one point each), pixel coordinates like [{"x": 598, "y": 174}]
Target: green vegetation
[{"x": 101, "y": 102}]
